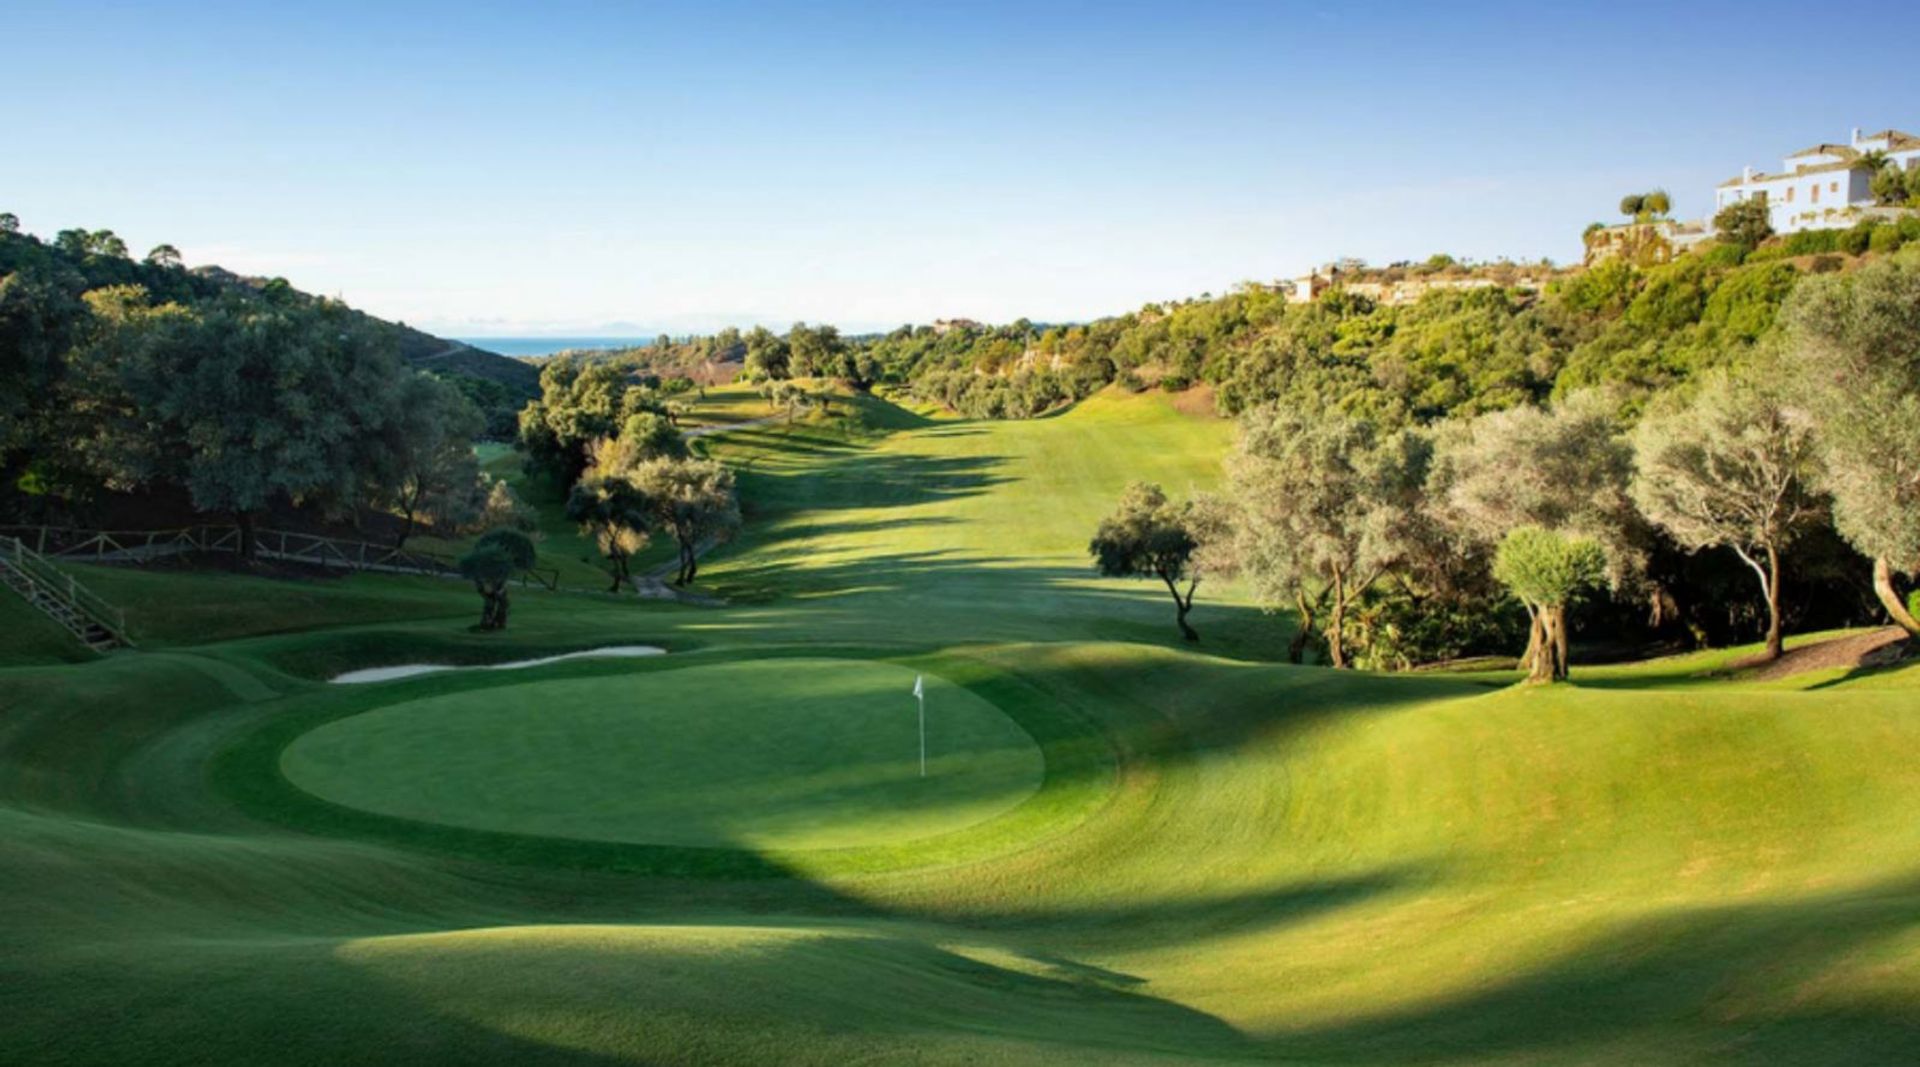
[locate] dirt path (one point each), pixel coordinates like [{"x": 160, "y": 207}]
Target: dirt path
[{"x": 1858, "y": 650}]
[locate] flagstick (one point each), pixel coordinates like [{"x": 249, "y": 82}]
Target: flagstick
[{"x": 922, "y": 697}]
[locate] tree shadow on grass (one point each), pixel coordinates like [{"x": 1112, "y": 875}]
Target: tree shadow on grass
[{"x": 1737, "y": 984}]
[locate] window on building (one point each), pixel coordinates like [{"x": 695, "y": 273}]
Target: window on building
[
  {"x": 1833, "y": 187},
  {"x": 1816, "y": 192},
  {"x": 1789, "y": 194}
]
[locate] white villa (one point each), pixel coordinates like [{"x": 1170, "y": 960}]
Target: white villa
[{"x": 1824, "y": 186}]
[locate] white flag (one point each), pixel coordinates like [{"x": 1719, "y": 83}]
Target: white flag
[{"x": 919, "y": 690}]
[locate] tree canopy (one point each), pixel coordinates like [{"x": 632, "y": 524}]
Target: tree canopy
[{"x": 1149, "y": 536}]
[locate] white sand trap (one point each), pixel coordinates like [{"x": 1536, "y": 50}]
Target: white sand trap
[{"x": 408, "y": 670}]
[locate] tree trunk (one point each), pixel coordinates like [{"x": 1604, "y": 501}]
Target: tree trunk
[
  {"x": 493, "y": 605},
  {"x": 1890, "y": 598},
  {"x": 1535, "y": 659},
  {"x": 1547, "y": 663},
  {"x": 689, "y": 564},
  {"x": 1337, "y": 626},
  {"x": 1297, "y": 648},
  {"x": 406, "y": 528},
  {"x": 1561, "y": 656},
  {"x": 1181, "y": 605},
  {"x": 1769, "y": 575},
  {"x": 1775, "y": 645},
  {"x": 619, "y": 572},
  {"x": 243, "y": 521},
  {"x": 486, "y": 605}
]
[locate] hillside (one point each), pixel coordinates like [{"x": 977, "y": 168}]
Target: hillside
[
  {"x": 97, "y": 259},
  {"x": 1132, "y": 851}
]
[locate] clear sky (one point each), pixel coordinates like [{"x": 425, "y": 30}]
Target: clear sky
[{"x": 601, "y": 167}]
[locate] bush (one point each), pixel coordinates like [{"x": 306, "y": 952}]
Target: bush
[
  {"x": 1824, "y": 264},
  {"x": 1855, "y": 241},
  {"x": 1722, "y": 255},
  {"x": 1812, "y": 242},
  {"x": 1909, "y": 228},
  {"x": 1885, "y": 238}
]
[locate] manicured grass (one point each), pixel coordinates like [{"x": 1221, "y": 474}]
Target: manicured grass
[
  {"x": 1227, "y": 859},
  {"x": 780, "y": 754}
]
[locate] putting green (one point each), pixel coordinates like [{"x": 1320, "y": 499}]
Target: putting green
[{"x": 766, "y": 754}]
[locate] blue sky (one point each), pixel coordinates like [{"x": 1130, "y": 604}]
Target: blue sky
[{"x": 551, "y": 168}]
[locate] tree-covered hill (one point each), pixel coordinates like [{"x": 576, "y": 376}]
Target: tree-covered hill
[
  {"x": 95, "y": 259},
  {"x": 145, "y": 394}
]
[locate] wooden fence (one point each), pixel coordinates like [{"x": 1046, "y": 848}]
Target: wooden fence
[{"x": 146, "y": 546}]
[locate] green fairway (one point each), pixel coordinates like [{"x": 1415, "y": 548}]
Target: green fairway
[
  {"x": 779, "y": 755},
  {"x": 1127, "y": 850}
]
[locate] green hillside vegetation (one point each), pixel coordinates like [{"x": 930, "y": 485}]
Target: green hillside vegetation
[
  {"x": 1127, "y": 849},
  {"x": 206, "y": 397}
]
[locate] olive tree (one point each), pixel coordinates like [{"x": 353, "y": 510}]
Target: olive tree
[
  {"x": 492, "y": 563},
  {"x": 1744, "y": 222},
  {"x": 1852, "y": 352},
  {"x": 1735, "y": 469},
  {"x": 422, "y": 465},
  {"x": 1324, "y": 507},
  {"x": 652, "y": 435},
  {"x": 1545, "y": 570},
  {"x": 1564, "y": 469},
  {"x": 610, "y": 508},
  {"x": 1149, "y": 536},
  {"x": 244, "y": 402},
  {"x": 691, "y": 500}
]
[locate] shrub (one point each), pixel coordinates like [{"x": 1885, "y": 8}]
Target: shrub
[
  {"x": 1812, "y": 242},
  {"x": 1855, "y": 241},
  {"x": 1722, "y": 255},
  {"x": 1824, "y": 264},
  {"x": 1885, "y": 238}
]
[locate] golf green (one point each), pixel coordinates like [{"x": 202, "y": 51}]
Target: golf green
[{"x": 769, "y": 754}]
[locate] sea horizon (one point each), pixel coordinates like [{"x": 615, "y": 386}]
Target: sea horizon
[{"x": 547, "y": 346}]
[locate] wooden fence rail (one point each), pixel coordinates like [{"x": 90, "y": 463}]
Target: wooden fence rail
[{"x": 145, "y": 546}]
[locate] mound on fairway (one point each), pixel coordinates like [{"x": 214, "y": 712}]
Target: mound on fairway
[{"x": 775, "y": 754}]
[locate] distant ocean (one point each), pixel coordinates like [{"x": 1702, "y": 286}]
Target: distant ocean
[{"x": 547, "y": 346}]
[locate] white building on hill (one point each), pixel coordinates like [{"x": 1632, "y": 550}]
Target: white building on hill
[{"x": 1824, "y": 186}]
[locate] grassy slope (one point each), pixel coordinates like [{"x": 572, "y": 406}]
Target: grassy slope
[{"x": 1231, "y": 860}]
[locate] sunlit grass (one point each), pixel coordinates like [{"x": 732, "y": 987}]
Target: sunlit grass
[{"x": 1226, "y": 858}]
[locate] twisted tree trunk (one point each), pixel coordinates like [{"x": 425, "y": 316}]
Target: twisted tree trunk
[
  {"x": 1546, "y": 658},
  {"x": 1296, "y": 648},
  {"x": 1890, "y": 598},
  {"x": 1769, "y": 574},
  {"x": 1182, "y": 605},
  {"x": 1337, "y": 622}
]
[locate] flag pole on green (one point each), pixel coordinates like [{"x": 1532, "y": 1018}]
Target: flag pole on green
[{"x": 920, "y": 695}]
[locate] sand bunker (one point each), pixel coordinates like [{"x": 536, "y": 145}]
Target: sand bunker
[{"x": 408, "y": 670}]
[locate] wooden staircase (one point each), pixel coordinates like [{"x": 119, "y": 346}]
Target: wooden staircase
[{"x": 98, "y": 624}]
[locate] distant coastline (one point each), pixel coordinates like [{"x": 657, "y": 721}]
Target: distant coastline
[{"x": 547, "y": 346}]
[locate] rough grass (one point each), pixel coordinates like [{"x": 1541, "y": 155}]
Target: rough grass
[{"x": 1228, "y": 860}]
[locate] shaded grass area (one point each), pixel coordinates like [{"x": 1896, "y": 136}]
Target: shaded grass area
[
  {"x": 32, "y": 637},
  {"x": 1228, "y": 859}
]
